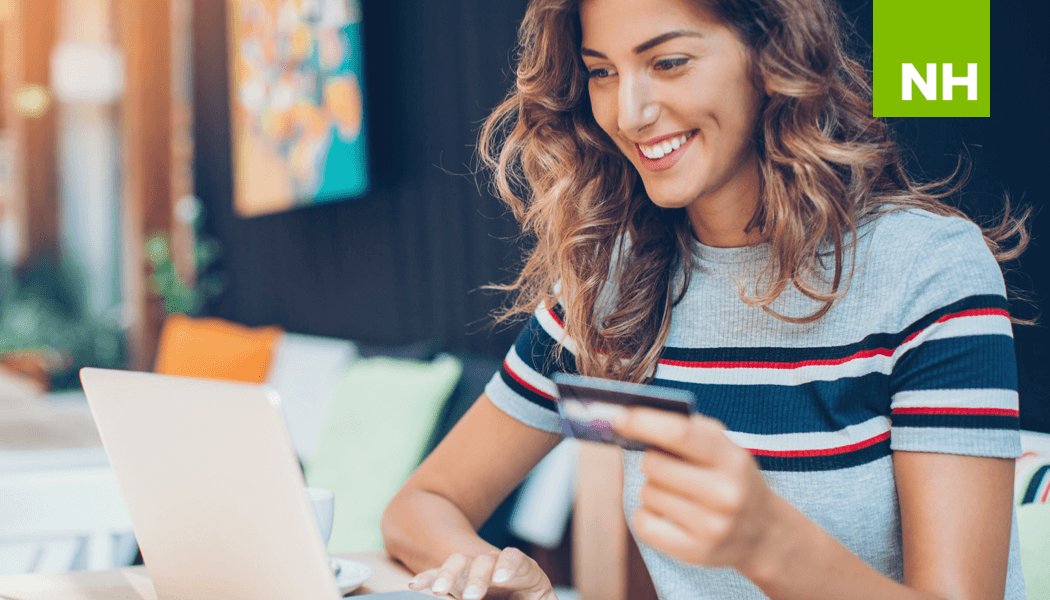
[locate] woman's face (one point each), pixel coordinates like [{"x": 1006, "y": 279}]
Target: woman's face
[{"x": 671, "y": 87}]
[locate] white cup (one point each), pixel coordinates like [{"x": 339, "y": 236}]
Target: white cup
[{"x": 322, "y": 504}]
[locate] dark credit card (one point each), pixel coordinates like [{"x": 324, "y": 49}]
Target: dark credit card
[{"x": 588, "y": 405}]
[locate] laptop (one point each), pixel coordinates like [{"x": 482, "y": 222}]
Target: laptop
[{"x": 213, "y": 487}]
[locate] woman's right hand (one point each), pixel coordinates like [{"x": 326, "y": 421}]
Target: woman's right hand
[{"x": 507, "y": 574}]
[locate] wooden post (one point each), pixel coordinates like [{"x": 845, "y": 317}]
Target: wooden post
[
  {"x": 30, "y": 30},
  {"x": 145, "y": 30},
  {"x": 183, "y": 237},
  {"x": 606, "y": 562}
]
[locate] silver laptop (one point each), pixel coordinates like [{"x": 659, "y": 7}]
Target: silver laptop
[{"x": 213, "y": 487}]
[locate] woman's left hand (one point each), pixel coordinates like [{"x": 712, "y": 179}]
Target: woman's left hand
[{"x": 705, "y": 501}]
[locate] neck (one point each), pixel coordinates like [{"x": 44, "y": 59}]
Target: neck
[{"x": 720, "y": 218}]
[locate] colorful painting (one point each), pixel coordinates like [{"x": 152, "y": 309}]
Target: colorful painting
[{"x": 297, "y": 103}]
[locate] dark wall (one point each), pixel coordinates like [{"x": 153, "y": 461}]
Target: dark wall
[{"x": 403, "y": 263}]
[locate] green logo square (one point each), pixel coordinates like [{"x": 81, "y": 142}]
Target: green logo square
[{"x": 930, "y": 51}]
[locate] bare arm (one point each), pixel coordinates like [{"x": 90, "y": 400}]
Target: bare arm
[
  {"x": 439, "y": 509},
  {"x": 956, "y": 513}
]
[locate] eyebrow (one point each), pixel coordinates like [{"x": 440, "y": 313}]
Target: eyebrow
[{"x": 648, "y": 45}]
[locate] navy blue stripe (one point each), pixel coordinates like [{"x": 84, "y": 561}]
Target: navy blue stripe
[
  {"x": 975, "y": 362},
  {"x": 558, "y": 310},
  {"x": 1033, "y": 485},
  {"x": 772, "y": 409},
  {"x": 874, "y": 341},
  {"x": 525, "y": 392},
  {"x": 957, "y": 421},
  {"x": 825, "y": 463},
  {"x": 537, "y": 349}
]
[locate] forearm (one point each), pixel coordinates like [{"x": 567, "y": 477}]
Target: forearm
[
  {"x": 799, "y": 560},
  {"x": 422, "y": 529}
]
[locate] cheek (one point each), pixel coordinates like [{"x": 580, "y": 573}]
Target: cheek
[{"x": 603, "y": 108}]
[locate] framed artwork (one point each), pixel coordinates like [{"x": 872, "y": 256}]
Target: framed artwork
[{"x": 296, "y": 103}]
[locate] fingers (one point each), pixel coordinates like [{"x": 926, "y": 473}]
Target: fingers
[
  {"x": 697, "y": 438},
  {"x": 717, "y": 489},
  {"x": 515, "y": 570},
  {"x": 471, "y": 578},
  {"x": 477, "y": 581},
  {"x": 423, "y": 580},
  {"x": 663, "y": 534},
  {"x": 688, "y": 516},
  {"x": 442, "y": 579},
  {"x": 508, "y": 569}
]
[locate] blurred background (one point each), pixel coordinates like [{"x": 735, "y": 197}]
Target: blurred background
[
  {"x": 161, "y": 157},
  {"x": 121, "y": 198}
]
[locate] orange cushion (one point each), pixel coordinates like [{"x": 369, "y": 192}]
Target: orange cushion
[{"x": 215, "y": 349}]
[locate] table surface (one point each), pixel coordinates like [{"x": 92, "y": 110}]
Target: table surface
[{"x": 133, "y": 583}]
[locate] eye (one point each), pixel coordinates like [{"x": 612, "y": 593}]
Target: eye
[
  {"x": 598, "y": 73},
  {"x": 667, "y": 64}
]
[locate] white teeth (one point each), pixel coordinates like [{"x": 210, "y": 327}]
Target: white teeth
[{"x": 662, "y": 149}]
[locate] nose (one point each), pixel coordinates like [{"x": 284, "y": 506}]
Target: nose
[{"x": 638, "y": 108}]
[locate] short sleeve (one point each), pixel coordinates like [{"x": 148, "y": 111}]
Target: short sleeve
[
  {"x": 953, "y": 385},
  {"x": 523, "y": 388}
]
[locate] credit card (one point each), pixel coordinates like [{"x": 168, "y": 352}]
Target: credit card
[{"x": 588, "y": 405}]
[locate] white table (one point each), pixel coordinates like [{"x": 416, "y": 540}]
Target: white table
[{"x": 133, "y": 583}]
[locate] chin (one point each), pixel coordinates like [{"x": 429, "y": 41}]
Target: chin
[{"x": 667, "y": 199}]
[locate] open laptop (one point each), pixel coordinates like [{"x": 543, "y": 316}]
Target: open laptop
[{"x": 213, "y": 487}]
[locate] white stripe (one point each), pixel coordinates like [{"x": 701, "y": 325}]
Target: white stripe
[
  {"x": 553, "y": 329},
  {"x": 812, "y": 440},
  {"x": 530, "y": 376},
  {"x": 973, "y": 398},
  {"x": 857, "y": 367},
  {"x": 958, "y": 327}
]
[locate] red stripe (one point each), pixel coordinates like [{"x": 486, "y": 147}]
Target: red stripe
[
  {"x": 954, "y": 410},
  {"x": 825, "y": 451},
  {"x": 975, "y": 312},
  {"x": 528, "y": 386},
  {"x": 1046, "y": 494},
  {"x": 776, "y": 365},
  {"x": 556, "y": 319}
]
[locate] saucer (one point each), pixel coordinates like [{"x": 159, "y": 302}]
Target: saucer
[{"x": 351, "y": 574}]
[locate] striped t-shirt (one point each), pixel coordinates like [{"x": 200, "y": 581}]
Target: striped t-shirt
[{"x": 917, "y": 356}]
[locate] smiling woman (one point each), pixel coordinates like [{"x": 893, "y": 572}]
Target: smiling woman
[
  {"x": 714, "y": 208},
  {"x": 685, "y": 95}
]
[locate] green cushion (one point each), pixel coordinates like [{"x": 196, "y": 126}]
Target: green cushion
[
  {"x": 1033, "y": 524},
  {"x": 377, "y": 425}
]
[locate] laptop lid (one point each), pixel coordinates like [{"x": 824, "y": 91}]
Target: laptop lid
[{"x": 212, "y": 485}]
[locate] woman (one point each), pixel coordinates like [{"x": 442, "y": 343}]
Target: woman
[{"x": 714, "y": 209}]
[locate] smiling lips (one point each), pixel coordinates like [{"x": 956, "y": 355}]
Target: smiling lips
[{"x": 664, "y": 153}]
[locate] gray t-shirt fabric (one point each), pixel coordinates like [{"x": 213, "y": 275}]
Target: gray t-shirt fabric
[{"x": 917, "y": 356}]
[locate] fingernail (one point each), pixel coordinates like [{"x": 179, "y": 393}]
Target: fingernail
[
  {"x": 415, "y": 581},
  {"x": 500, "y": 576},
  {"x": 473, "y": 591},
  {"x": 440, "y": 586}
]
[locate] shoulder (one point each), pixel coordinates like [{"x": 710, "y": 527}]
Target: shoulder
[
  {"x": 912, "y": 227},
  {"x": 934, "y": 261}
]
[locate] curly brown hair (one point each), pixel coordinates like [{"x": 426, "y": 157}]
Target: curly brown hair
[{"x": 826, "y": 166}]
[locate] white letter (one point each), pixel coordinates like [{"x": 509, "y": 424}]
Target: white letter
[
  {"x": 970, "y": 81},
  {"x": 927, "y": 86}
]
